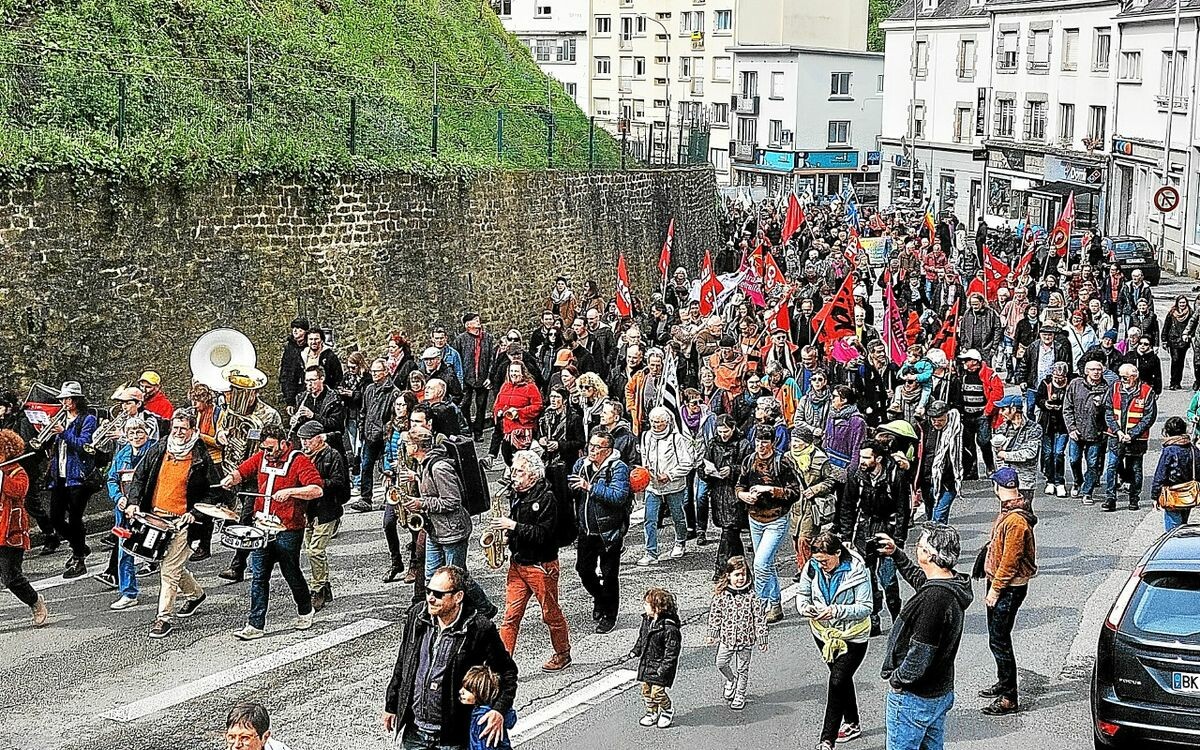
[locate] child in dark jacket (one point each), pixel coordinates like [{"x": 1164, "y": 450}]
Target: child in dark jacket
[
  {"x": 481, "y": 686},
  {"x": 658, "y": 647}
]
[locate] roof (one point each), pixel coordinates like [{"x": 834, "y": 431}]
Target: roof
[
  {"x": 1179, "y": 550},
  {"x": 1157, "y": 6},
  {"x": 946, "y": 9}
]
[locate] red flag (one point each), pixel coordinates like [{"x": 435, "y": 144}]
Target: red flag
[
  {"x": 780, "y": 319},
  {"x": 977, "y": 286},
  {"x": 756, "y": 260},
  {"x": 1023, "y": 261},
  {"x": 794, "y": 218},
  {"x": 664, "y": 258},
  {"x": 852, "y": 247},
  {"x": 946, "y": 338},
  {"x": 710, "y": 286},
  {"x": 836, "y": 319},
  {"x": 995, "y": 273},
  {"x": 893, "y": 327},
  {"x": 1060, "y": 237},
  {"x": 623, "y": 298},
  {"x": 771, "y": 274}
]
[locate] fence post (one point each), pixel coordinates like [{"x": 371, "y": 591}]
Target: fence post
[
  {"x": 650, "y": 146},
  {"x": 121, "y": 112},
  {"x": 249, "y": 85},
  {"x": 500, "y": 135},
  {"x": 624, "y": 144},
  {"x": 678, "y": 156},
  {"x": 436, "y": 111},
  {"x": 550, "y": 139},
  {"x": 353, "y": 124},
  {"x": 591, "y": 142}
]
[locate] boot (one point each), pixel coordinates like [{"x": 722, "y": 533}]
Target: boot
[
  {"x": 328, "y": 591},
  {"x": 234, "y": 574},
  {"x": 318, "y": 599},
  {"x": 395, "y": 571},
  {"x": 41, "y": 615}
]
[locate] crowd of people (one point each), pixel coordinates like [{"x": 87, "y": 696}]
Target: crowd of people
[{"x": 786, "y": 410}]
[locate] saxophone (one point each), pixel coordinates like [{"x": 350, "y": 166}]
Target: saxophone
[
  {"x": 395, "y": 497},
  {"x": 495, "y": 542}
]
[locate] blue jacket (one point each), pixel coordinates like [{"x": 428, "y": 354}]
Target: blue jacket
[
  {"x": 122, "y": 461},
  {"x": 79, "y": 463},
  {"x": 1176, "y": 465},
  {"x": 477, "y": 740},
  {"x": 391, "y": 449},
  {"x": 604, "y": 510}
]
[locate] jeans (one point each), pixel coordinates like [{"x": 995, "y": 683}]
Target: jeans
[
  {"x": 284, "y": 550},
  {"x": 841, "y": 701},
  {"x": 416, "y": 739},
  {"x": 978, "y": 447},
  {"x": 916, "y": 723},
  {"x": 316, "y": 540},
  {"x": 474, "y": 408},
  {"x": 438, "y": 555},
  {"x": 593, "y": 553},
  {"x": 127, "y": 583},
  {"x": 541, "y": 582},
  {"x": 11, "y": 576},
  {"x": 654, "y": 503},
  {"x": 1085, "y": 464},
  {"x": 767, "y": 538},
  {"x": 372, "y": 451},
  {"x": 1175, "y": 518},
  {"x": 941, "y": 508},
  {"x": 1030, "y": 402},
  {"x": 66, "y": 510},
  {"x": 353, "y": 447},
  {"x": 1001, "y": 619},
  {"x": 1112, "y": 465},
  {"x": 734, "y": 666},
  {"x": 890, "y": 586},
  {"x": 701, "y": 504},
  {"x": 1053, "y": 449}
]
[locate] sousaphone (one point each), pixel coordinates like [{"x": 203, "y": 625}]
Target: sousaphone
[{"x": 217, "y": 350}]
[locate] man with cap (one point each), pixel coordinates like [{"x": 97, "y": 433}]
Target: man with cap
[
  {"x": 291, "y": 363},
  {"x": 433, "y": 365},
  {"x": 940, "y": 480},
  {"x": 1105, "y": 352},
  {"x": 1039, "y": 360},
  {"x": 975, "y": 391},
  {"x": 1017, "y": 440},
  {"x": 1130, "y": 410},
  {"x": 70, "y": 468},
  {"x": 1083, "y": 417},
  {"x": 156, "y": 402},
  {"x": 324, "y": 512},
  {"x": 1010, "y": 563}
]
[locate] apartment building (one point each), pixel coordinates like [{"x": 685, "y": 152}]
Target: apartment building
[
  {"x": 807, "y": 119},
  {"x": 556, "y": 33}
]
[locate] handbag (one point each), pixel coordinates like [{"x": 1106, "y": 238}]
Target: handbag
[{"x": 1184, "y": 495}]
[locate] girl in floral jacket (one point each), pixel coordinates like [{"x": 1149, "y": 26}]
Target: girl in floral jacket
[{"x": 737, "y": 623}]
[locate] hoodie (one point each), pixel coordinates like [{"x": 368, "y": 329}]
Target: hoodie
[
  {"x": 1012, "y": 555},
  {"x": 477, "y": 742},
  {"x": 845, "y": 431},
  {"x": 924, "y": 640}
]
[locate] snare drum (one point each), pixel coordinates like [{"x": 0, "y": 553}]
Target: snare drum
[
  {"x": 240, "y": 537},
  {"x": 149, "y": 537},
  {"x": 269, "y": 526}
]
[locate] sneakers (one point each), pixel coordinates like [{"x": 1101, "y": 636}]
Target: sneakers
[
  {"x": 360, "y": 506},
  {"x": 606, "y": 625},
  {"x": 727, "y": 692},
  {"x": 41, "y": 614},
  {"x": 774, "y": 613},
  {"x": 557, "y": 663},
  {"x": 649, "y": 720},
  {"x": 303, "y": 622},
  {"x": 677, "y": 552},
  {"x": 848, "y": 732},
  {"x": 75, "y": 568},
  {"x": 107, "y": 579},
  {"x": 645, "y": 560},
  {"x": 1061, "y": 490},
  {"x": 1075, "y": 491},
  {"x": 1049, "y": 489},
  {"x": 664, "y": 718},
  {"x": 737, "y": 703},
  {"x": 1000, "y": 707},
  {"x": 125, "y": 602},
  {"x": 1087, "y": 499},
  {"x": 49, "y": 547},
  {"x": 161, "y": 628},
  {"x": 825, "y": 745},
  {"x": 1109, "y": 506},
  {"x": 1134, "y": 505},
  {"x": 248, "y": 633},
  {"x": 191, "y": 605},
  {"x": 702, "y": 539},
  {"x": 394, "y": 572}
]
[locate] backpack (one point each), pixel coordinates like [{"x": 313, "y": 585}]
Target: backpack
[{"x": 477, "y": 496}]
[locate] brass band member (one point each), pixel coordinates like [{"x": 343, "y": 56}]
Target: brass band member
[
  {"x": 287, "y": 480},
  {"x": 400, "y": 469},
  {"x": 323, "y": 513},
  {"x": 70, "y": 469},
  {"x": 322, "y": 404},
  {"x": 14, "y": 527},
  {"x": 176, "y": 474},
  {"x": 208, "y": 412},
  {"x": 12, "y": 417},
  {"x": 531, "y": 527}
]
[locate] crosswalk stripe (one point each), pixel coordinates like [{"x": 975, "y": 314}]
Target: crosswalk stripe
[{"x": 577, "y": 703}]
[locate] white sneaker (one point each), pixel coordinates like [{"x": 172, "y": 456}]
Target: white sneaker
[
  {"x": 647, "y": 560},
  {"x": 649, "y": 720},
  {"x": 1061, "y": 490},
  {"x": 664, "y": 718},
  {"x": 303, "y": 622},
  {"x": 248, "y": 633},
  {"x": 677, "y": 551},
  {"x": 125, "y": 602},
  {"x": 1049, "y": 489},
  {"x": 728, "y": 691},
  {"x": 1075, "y": 491},
  {"x": 1087, "y": 500}
]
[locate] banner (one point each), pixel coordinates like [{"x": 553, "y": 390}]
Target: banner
[
  {"x": 1060, "y": 236},
  {"x": 622, "y": 296},
  {"x": 893, "y": 328},
  {"x": 836, "y": 320},
  {"x": 664, "y": 258},
  {"x": 995, "y": 274}
]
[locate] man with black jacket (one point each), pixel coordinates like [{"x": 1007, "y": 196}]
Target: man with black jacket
[
  {"x": 325, "y": 511},
  {"x": 874, "y": 501},
  {"x": 378, "y": 400},
  {"x": 291, "y": 364},
  {"x": 923, "y": 643},
  {"x": 476, "y": 349},
  {"x": 603, "y": 501},
  {"x": 322, "y": 404},
  {"x": 532, "y": 524},
  {"x": 443, "y": 637}
]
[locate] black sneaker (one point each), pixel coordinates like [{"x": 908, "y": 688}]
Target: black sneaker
[
  {"x": 1134, "y": 505},
  {"x": 75, "y": 568},
  {"x": 107, "y": 579},
  {"x": 1001, "y": 707},
  {"x": 188, "y": 608},
  {"x": 161, "y": 628},
  {"x": 199, "y": 554},
  {"x": 360, "y": 506},
  {"x": 1109, "y": 506},
  {"x": 237, "y": 576},
  {"x": 606, "y": 625}
]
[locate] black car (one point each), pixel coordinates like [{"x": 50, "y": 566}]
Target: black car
[
  {"x": 1131, "y": 252},
  {"x": 1146, "y": 682}
]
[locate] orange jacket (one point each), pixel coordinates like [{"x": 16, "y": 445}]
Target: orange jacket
[
  {"x": 1012, "y": 555},
  {"x": 14, "y": 521}
]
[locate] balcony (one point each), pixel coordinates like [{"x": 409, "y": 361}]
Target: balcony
[
  {"x": 697, "y": 87},
  {"x": 697, "y": 40},
  {"x": 742, "y": 151},
  {"x": 1180, "y": 104},
  {"x": 744, "y": 105},
  {"x": 624, "y": 84}
]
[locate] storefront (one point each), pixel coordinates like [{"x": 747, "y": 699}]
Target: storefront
[
  {"x": 816, "y": 173},
  {"x": 1022, "y": 182}
]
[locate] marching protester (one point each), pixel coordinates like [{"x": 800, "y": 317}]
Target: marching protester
[
  {"x": 1130, "y": 410},
  {"x": 736, "y": 624},
  {"x": 14, "y": 528},
  {"x": 378, "y": 398},
  {"x": 120, "y": 474},
  {"x": 603, "y": 501},
  {"x": 323, "y": 513},
  {"x": 667, "y": 455},
  {"x": 1174, "y": 487},
  {"x": 1083, "y": 417},
  {"x": 769, "y": 486},
  {"x": 721, "y": 467},
  {"x": 71, "y": 468}
]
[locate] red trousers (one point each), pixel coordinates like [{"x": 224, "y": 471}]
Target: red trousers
[{"x": 541, "y": 582}]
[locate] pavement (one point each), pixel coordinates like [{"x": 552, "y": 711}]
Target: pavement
[{"x": 94, "y": 678}]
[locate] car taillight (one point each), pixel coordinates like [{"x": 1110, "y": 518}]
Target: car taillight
[
  {"x": 1118, "y": 607},
  {"x": 1106, "y": 728}
]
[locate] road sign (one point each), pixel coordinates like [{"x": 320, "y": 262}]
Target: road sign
[
  {"x": 1166, "y": 198},
  {"x": 979, "y": 154}
]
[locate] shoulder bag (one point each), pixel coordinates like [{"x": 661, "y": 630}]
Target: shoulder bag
[{"x": 1184, "y": 495}]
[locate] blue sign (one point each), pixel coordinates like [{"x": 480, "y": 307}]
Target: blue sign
[
  {"x": 829, "y": 159},
  {"x": 782, "y": 161},
  {"x": 873, "y": 158}
]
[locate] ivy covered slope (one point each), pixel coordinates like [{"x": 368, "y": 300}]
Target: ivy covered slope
[{"x": 194, "y": 88}]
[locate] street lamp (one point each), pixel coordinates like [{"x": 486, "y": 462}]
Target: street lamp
[{"x": 667, "y": 71}]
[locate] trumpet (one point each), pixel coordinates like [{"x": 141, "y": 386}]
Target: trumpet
[
  {"x": 39, "y": 441},
  {"x": 396, "y": 498},
  {"x": 107, "y": 434},
  {"x": 495, "y": 541}
]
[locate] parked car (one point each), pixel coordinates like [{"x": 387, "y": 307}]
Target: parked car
[
  {"x": 1130, "y": 252},
  {"x": 1146, "y": 681}
]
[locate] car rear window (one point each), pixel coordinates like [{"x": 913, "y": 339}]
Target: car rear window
[
  {"x": 1131, "y": 248},
  {"x": 1169, "y": 605}
]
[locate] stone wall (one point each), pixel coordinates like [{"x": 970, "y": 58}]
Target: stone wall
[{"x": 103, "y": 279}]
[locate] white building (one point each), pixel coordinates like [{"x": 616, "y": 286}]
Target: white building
[
  {"x": 806, "y": 119},
  {"x": 556, "y": 33}
]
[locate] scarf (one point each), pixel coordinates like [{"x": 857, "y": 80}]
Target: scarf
[
  {"x": 833, "y": 641},
  {"x": 803, "y": 457},
  {"x": 560, "y": 297},
  {"x": 179, "y": 449}
]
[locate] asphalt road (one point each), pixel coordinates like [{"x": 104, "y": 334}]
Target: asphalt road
[{"x": 94, "y": 679}]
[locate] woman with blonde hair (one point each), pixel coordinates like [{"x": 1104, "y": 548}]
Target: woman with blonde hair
[{"x": 591, "y": 393}]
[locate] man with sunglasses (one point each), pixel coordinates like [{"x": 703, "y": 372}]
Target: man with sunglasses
[
  {"x": 603, "y": 500},
  {"x": 443, "y": 637}
]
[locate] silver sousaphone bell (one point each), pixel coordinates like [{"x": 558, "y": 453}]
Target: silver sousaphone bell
[{"x": 216, "y": 350}]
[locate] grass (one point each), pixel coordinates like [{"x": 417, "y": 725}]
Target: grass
[{"x": 249, "y": 87}]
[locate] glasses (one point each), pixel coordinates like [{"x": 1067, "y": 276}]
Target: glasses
[
  {"x": 597, "y": 446},
  {"x": 439, "y": 595},
  {"x": 513, "y": 339},
  {"x": 375, "y": 371}
]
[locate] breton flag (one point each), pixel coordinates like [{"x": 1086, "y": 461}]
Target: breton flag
[
  {"x": 670, "y": 387},
  {"x": 794, "y": 218},
  {"x": 710, "y": 286},
  {"x": 623, "y": 298},
  {"x": 850, "y": 199},
  {"x": 930, "y": 224},
  {"x": 1060, "y": 237},
  {"x": 893, "y": 328},
  {"x": 664, "y": 258}
]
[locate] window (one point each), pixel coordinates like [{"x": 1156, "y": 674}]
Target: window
[
  {"x": 686, "y": 67},
  {"x": 720, "y": 115},
  {"x": 543, "y": 49},
  {"x": 839, "y": 84},
  {"x": 879, "y": 85},
  {"x": 1066, "y": 123},
  {"x": 723, "y": 20},
  {"x": 572, "y": 89},
  {"x": 639, "y": 25},
  {"x": 603, "y": 25},
  {"x": 639, "y": 67},
  {"x": 542, "y": 10},
  {"x": 566, "y": 51},
  {"x": 504, "y": 8},
  {"x": 1039, "y": 42},
  {"x": 1101, "y": 48},
  {"x": 964, "y": 124},
  {"x": 1096, "y": 122},
  {"x": 966, "y": 59},
  {"x": 747, "y": 129},
  {"x": 775, "y": 136},
  {"x": 1035, "y": 121},
  {"x": 691, "y": 21},
  {"x": 602, "y": 106},
  {"x": 919, "y": 120},
  {"x": 1164, "y": 606},
  {"x": 839, "y": 130},
  {"x": 722, "y": 68},
  {"x": 1131, "y": 66},
  {"x": 1164, "y": 81},
  {"x": 1070, "y": 50},
  {"x": 639, "y": 109},
  {"x": 604, "y": 66},
  {"x": 749, "y": 81},
  {"x": 776, "y": 85},
  {"x": 1006, "y": 115},
  {"x": 922, "y": 59},
  {"x": 1007, "y": 59}
]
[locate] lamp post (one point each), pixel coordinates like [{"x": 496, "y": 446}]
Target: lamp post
[{"x": 667, "y": 77}]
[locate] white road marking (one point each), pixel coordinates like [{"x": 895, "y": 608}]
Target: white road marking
[
  {"x": 577, "y": 703},
  {"x": 188, "y": 691}
]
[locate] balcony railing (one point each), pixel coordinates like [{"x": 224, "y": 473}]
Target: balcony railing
[
  {"x": 744, "y": 105},
  {"x": 1180, "y": 104},
  {"x": 742, "y": 151}
]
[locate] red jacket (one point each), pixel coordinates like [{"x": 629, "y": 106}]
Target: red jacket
[
  {"x": 525, "y": 398},
  {"x": 993, "y": 388},
  {"x": 297, "y": 470},
  {"x": 159, "y": 405},
  {"x": 14, "y": 522}
]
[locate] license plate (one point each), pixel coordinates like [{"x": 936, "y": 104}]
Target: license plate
[{"x": 1185, "y": 682}]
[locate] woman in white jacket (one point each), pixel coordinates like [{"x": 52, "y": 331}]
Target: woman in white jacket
[
  {"x": 835, "y": 594},
  {"x": 669, "y": 458}
]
